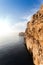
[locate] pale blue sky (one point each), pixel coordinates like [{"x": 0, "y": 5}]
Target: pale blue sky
[{"x": 16, "y": 13}]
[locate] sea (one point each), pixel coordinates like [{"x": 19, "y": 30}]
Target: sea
[{"x": 13, "y": 51}]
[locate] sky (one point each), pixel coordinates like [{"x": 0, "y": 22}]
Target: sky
[{"x": 14, "y": 14}]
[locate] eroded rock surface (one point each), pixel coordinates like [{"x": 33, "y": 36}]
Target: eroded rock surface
[{"x": 34, "y": 36}]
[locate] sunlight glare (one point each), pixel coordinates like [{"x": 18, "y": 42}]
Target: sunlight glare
[{"x": 4, "y": 29}]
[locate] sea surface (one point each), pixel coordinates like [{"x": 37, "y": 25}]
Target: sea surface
[{"x": 13, "y": 51}]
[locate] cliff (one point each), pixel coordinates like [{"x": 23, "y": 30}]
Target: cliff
[
  {"x": 21, "y": 34},
  {"x": 34, "y": 36}
]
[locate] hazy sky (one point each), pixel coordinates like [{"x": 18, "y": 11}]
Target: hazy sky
[{"x": 14, "y": 14}]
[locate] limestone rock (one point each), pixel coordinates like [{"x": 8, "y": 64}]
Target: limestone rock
[
  {"x": 34, "y": 36},
  {"x": 21, "y": 34}
]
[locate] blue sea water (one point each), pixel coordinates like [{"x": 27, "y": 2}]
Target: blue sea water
[{"x": 13, "y": 51}]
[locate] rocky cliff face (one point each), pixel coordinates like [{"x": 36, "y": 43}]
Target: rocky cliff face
[{"x": 34, "y": 36}]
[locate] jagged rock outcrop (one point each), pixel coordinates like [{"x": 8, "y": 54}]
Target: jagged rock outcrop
[
  {"x": 21, "y": 34},
  {"x": 34, "y": 36}
]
